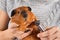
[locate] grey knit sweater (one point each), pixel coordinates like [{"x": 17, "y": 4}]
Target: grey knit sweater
[{"x": 48, "y": 12}]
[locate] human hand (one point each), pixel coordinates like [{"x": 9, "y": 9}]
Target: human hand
[
  {"x": 52, "y": 33},
  {"x": 12, "y": 33}
]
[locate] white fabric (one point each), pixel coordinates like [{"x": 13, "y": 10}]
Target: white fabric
[{"x": 48, "y": 12}]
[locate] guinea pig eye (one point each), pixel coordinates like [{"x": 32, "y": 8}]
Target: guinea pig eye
[{"x": 29, "y": 8}]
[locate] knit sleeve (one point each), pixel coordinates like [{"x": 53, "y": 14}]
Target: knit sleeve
[
  {"x": 54, "y": 15},
  {"x": 3, "y": 5}
]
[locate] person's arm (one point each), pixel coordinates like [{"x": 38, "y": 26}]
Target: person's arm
[
  {"x": 3, "y": 20},
  {"x": 3, "y": 15}
]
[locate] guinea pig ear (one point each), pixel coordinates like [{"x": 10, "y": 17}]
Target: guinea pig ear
[
  {"x": 29, "y": 9},
  {"x": 12, "y": 13}
]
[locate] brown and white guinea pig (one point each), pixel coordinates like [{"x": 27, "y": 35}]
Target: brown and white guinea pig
[{"x": 26, "y": 19}]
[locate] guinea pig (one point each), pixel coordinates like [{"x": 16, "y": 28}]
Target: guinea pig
[{"x": 24, "y": 17}]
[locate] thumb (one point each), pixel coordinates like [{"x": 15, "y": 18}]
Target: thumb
[{"x": 12, "y": 25}]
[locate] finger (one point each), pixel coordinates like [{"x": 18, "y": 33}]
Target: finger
[
  {"x": 52, "y": 30},
  {"x": 26, "y": 33},
  {"x": 23, "y": 35},
  {"x": 58, "y": 29},
  {"x": 48, "y": 28},
  {"x": 19, "y": 32},
  {"x": 48, "y": 32},
  {"x": 58, "y": 34},
  {"x": 16, "y": 32},
  {"x": 57, "y": 39},
  {"x": 13, "y": 25},
  {"x": 52, "y": 37},
  {"x": 43, "y": 34},
  {"x": 53, "y": 34}
]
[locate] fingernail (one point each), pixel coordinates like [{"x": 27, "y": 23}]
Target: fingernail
[
  {"x": 27, "y": 31},
  {"x": 16, "y": 24},
  {"x": 38, "y": 35}
]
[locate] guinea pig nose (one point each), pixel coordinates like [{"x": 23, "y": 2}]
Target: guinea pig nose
[
  {"x": 29, "y": 8},
  {"x": 24, "y": 14},
  {"x": 37, "y": 22}
]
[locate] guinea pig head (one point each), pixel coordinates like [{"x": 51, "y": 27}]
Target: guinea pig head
[{"x": 23, "y": 17}]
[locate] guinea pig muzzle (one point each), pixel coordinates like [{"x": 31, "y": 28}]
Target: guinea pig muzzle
[{"x": 24, "y": 14}]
